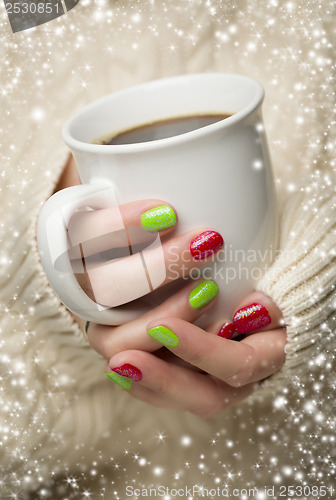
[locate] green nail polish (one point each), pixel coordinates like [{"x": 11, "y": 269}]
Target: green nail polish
[
  {"x": 158, "y": 218},
  {"x": 124, "y": 382},
  {"x": 164, "y": 335},
  {"x": 202, "y": 294}
]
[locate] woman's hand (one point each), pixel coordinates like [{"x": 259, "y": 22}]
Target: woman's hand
[
  {"x": 206, "y": 372},
  {"x": 223, "y": 371},
  {"x": 201, "y": 371}
]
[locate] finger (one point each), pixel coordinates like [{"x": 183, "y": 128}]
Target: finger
[
  {"x": 170, "y": 386},
  {"x": 120, "y": 228},
  {"x": 139, "y": 391},
  {"x": 121, "y": 281},
  {"x": 109, "y": 340},
  {"x": 236, "y": 363},
  {"x": 256, "y": 312}
]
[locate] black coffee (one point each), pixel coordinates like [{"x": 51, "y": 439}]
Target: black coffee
[{"x": 161, "y": 129}]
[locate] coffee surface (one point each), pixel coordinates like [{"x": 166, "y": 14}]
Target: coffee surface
[{"x": 161, "y": 129}]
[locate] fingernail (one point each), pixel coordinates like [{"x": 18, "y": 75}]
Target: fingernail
[
  {"x": 226, "y": 331},
  {"x": 203, "y": 294},
  {"x": 164, "y": 335},
  {"x": 158, "y": 218},
  {"x": 129, "y": 371},
  {"x": 251, "y": 318},
  {"x": 206, "y": 244},
  {"x": 123, "y": 382}
]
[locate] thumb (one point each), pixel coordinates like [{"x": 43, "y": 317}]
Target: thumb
[{"x": 257, "y": 312}]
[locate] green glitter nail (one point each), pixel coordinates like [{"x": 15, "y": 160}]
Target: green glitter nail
[
  {"x": 158, "y": 218},
  {"x": 124, "y": 382},
  {"x": 203, "y": 294},
  {"x": 163, "y": 335}
]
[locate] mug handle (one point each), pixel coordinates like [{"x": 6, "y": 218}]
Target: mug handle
[{"x": 53, "y": 246}]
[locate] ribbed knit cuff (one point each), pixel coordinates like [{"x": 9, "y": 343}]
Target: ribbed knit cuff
[{"x": 302, "y": 280}]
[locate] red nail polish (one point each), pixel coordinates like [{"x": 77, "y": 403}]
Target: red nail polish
[
  {"x": 226, "y": 331},
  {"x": 129, "y": 371},
  {"x": 205, "y": 244},
  {"x": 251, "y": 318}
]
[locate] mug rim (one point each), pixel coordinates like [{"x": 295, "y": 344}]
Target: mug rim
[{"x": 86, "y": 147}]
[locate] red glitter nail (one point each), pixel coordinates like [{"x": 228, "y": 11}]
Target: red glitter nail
[
  {"x": 226, "y": 331},
  {"x": 206, "y": 244},
  {"x": 129, "y": 371},
  {"x": 251, "y": 318}
]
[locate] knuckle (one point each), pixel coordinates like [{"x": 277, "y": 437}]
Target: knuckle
[
  {"x": 211, "y": 406},
  {"x": 209, "y": 410},
  {"x": 162, "y": 385},
  {"x": 237, "y": 380},
  {"x": 102, "y": 340},
  {"x": 246, "y": 373},
  {"x": 197, "y": 357}
]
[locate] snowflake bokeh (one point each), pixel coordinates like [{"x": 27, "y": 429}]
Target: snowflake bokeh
[{"x": 49, "y": 72}]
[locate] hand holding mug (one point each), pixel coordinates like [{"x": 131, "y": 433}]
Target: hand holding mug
[
  {"x": 199, "y": 370},
  {"x": 205, "y": 373},
  {"x": 188, "y": 368}
]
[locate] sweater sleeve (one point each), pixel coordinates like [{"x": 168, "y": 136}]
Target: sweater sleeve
[{"x": 303, "y": 277}]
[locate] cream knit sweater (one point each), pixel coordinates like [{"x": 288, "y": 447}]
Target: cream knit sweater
[{"x": 64, "y": 428}]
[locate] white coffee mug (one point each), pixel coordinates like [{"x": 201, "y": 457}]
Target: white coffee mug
[{"x": 218, "y": 176}]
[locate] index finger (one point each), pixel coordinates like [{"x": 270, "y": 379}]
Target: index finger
[{"x": 99, "y": 230}]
